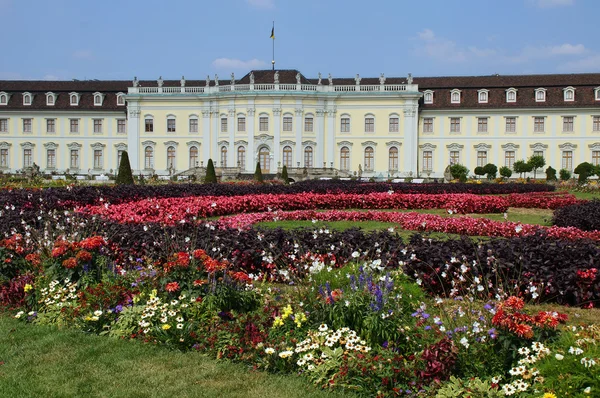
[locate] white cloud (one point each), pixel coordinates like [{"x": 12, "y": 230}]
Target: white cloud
[
  {"x": 262, "y": 3},
  {"x": 50, "y": 76},
  {"x": 83, "y": 54},
  {"x": 554, "y": 3},
  {"x": 427, "y": 34},
  {"x": 441, "y": 48},
  {"x": 587, "y": 64},
  {"x": 568, "y": 49},
  {"x": 236, "y": 64}
]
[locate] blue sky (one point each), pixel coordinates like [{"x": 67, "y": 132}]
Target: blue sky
[{"x": 119, "y": 39}]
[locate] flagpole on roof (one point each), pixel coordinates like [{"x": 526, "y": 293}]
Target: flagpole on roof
[{"x": 273, "y": 37}]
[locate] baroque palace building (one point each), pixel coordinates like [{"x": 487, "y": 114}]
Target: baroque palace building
[{"x": 391, "y": 127}]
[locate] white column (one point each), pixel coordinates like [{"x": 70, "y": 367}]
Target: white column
[
  {"x": 205, "y": 137},
  {"x": 320, "y": 130},
  {"x": 277, "y": 139},
  {"x": 411, "y": 148},
  {"x": 298, "y": 157},
  {"x": 250, "y": 165},
  {"x": 330, "y": 137},
  {"x": 133, "y": 137},
  {"x": 216, "y": 153},
  {"x": 231, "y": 158}
]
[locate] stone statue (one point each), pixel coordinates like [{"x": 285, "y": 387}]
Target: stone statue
[
  {"x": 409, "y": 80},
  {"x": 357, "y": 79},
  {"x": 319, "y": 82},
  {"x": 382, "y": 79},
  {"x": 330, "y": 79},
  {"x": 136, "y": 82},
  {"x": 298, "y": 77},
  {"x": 160, "y": 81},
  {"x": 182, "y": 81},
  {"x": 232, "y": 79},
  {"x": 207, "y": 80},
  {"x": 251, "y": 77},
  {"x": 276, "y": 77},
  {"x": 216, "y": 79},
  {"x": 359, "y": 171}
]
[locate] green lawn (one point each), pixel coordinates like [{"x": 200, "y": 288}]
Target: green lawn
[{"x": 41, "y": 361}]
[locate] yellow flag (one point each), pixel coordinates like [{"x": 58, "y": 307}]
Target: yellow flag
[{"x": 272, "y": 33}]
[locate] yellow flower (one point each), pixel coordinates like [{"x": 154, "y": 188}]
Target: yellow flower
[
  {"x": 278, "y": 322},
  {"x": 27, "y": 287},
  {"x": 549, "y": 395},
  {"x": 153, "y": 293},
  {"x": 167, "y": 327}
]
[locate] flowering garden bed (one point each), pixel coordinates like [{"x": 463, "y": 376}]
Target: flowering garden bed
[{"x": 369, "y": 313}]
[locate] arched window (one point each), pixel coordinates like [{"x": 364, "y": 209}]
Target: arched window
[
  {"x": 308, "y": 157},
  {"x": 241, "y": 157},
  {"x": 264, "y": 159},
  {"x": 223, "y": 156},
  {"x": 287, "y": 156},
  {"x": 393, "y": 159},
  {"x": 149, "y": 157},
  {"x": 193, "y": 156},
  {"x": 27, "y": 99},
  {"x": 369, "y": 161},
  {"x": 50, "y": 99},
  {"x": 120, "y": 100},
  {"x": 3, "y": 99},
  {"x": 97, "y": 100},
  {"x": 171, "y": 158},
  {"x": 345, "y": 158},
  {"x": 74, "y": 99}
]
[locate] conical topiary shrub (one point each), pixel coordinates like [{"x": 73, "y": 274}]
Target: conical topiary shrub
[
  {"x": 258, "y": 174},
  {"x": 211, "y": 176},
  {"x": 124, "y": 176},
  {"x": 284, "y": 175}
]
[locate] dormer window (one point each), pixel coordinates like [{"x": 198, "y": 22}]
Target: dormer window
[
  {"x": 482, "y": 96},
  {"x": 27, "y": 98},
  {"x": 455, "y": 96},
  {"x": 596, "y": 94},
  {"x": 50, "y": 99},
  {"x": 511, "y": 95},
  {"x": 569, "y": 93},
  {"x": 428, "y": 97},
  {"x": 540, "y": 95},
  {"x": 120, "y": 99},
  {"x": 3, "y": 98},
  {"x": 98, "y": 99},
  {"x": 74, "y": 99}
]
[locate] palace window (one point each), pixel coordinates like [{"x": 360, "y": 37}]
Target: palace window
[
  {"x": 193, "y": 159},
  {"x": 345, "y": 125},
  {"x": 287, "y": 123},
  {"x": 538, "y": 124},
  {"x": 74, "y": 99},
  {"x": 241, "y": 157},
  {"x": 223, "y": 125},
  {"x": 595, "y": 124},
  {"x": 509, "y": 159},
  {"x": 51, "y": 158},
  {"x": 98, "y": 159},
  {"x": 171, "y": 125},
  {"x": 27, "y": 157},
  {"x": 27, "y": 125},
  {"x": 308, "y": 124},
  {"x": 428, "y": 125},
  {"x": 120, "y": 99},
  {"x": 538, "y": 153},
  {"x": 428, "y": 97},
  {"x": 97, "y": 125},
  {"x": 3, "y": 99},
  {"x": 511, "y": 95},
  {"x": 50, "y": 99},
  {"x": 26, "y": 99},
  {"x": 567, "y": 160},
  {"x": 74, "y": 161},
  {"x": 595, "y": 157},
  {"x": 241, "y": 124},
  {"x": 119, "y": 157},
  {"x": 345, "y": 158},
  {"x": 73, "y": 125},
  {"x": 308, "y": 157},
  {"x": 483, "y": 96},
  {"x": 287, "y": 156},
  {"x": 455, "y": 96},
  {"x": 481, "y": 158},
  {"x": 223, "y": 156},
  {"x": 540, "y": 95},
  {"x": 482, "y": 124},
  {"x": 171, "y": 158},
  {"x": 394, "y": 124},
  {"x": 148, "y": 158},
  {"x": 3, "y": 125},
  {"x": 393, "y": 159},
  {"x": 454, "y": 157},
  {"x": 455, "y": 125},
  {"x": 193, "y": 125},
  {"x": 4, "y": 158},
  {"x": 511, "y": 124},
  {"x": 369, "y": 159},
  {"x": 569, "y": 94},
  {"x": 568, "y": 123},
  {"x": 369, "y": 125},
  {"x": 149, "y": 125},
  {"x": 121, "y": 126},
  {"x": 427, "y": 160},
  {"x": 263, "y": 123},
  {"x": 50, "y": 126},
  {"x": 98, "y": 99}
]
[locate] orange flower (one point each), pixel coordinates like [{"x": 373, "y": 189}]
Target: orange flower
[
  {"x": 70, "y": 262},
  {"x": 172, "y": 287},
  {"x": 84, "y": 256}
]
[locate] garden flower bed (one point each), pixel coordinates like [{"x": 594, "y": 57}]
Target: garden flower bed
[{"x": 366, "y": 313}]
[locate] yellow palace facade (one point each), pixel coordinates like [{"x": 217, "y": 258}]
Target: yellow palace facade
[{"x": 382, "y": 126}]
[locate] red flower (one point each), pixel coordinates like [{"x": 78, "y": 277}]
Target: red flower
[
  {"x": 200, "y": 282},
  {"x": 33, "y": 258},
  {"x": 70, "y": 263},
  {"x": 84, "y": 256},
  {"x": 92, "y": 243},
  {"x": 172, "y": 287},
  {"x": 58, "y": 251},
  {"x": 183, "y": 259}
]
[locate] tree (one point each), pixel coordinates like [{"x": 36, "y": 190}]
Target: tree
[
  {"x": 124, "y": 176},
  {"x": 459, "y": 172},
  {"x": 211, "y": 176},
  {"x": 564, "y": 174},
  {"x": 584, "y": 170},
  {"x": 536, "y": 162},
  {"x": 505, "y": 172},
  {"x": 491, "y": 170},
  {"x": 284, "y": 175},
  {"x": 521, "y": 166},
  {"x": 258, "y": 174},
  {"x": 479, "y": 171},
  {"x": 550, "y": 174}
]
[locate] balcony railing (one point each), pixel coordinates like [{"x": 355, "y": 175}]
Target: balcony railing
[{"x": 325, "y": 88}]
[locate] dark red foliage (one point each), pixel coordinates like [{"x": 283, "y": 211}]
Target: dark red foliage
[{"x": 439, "y": 360}]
